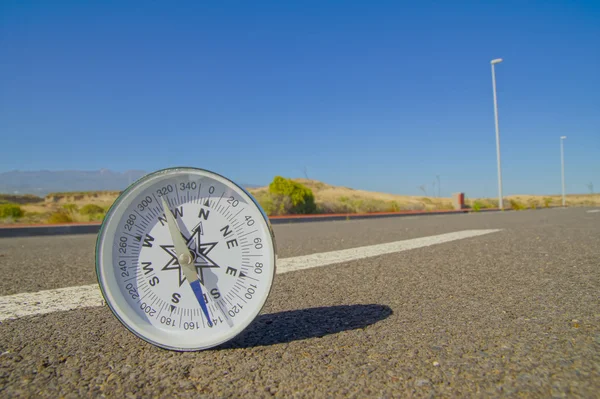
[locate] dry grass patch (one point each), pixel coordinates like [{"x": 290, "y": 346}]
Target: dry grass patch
[
  {"x": 92, "y": 206},
  {"x": 335, "y": 199}
]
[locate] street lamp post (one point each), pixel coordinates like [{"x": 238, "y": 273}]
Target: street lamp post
[
  {"x": 562, "y": 167},
  {"x": 500, "y": 202}
]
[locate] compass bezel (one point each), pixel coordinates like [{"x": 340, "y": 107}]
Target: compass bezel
[{"x": 113, "y": 296}]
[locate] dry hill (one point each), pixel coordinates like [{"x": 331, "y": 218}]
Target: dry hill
[{"x": 91, "y": 206}]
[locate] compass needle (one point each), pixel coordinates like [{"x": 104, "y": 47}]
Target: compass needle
[
  {"x": 146, "y": 259},
  {"x": 186, "y": 260}
]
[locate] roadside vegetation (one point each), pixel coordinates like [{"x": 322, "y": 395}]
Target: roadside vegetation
[
  {"x": 283, "y": 196},
  {"x": 55, "y": 208}
]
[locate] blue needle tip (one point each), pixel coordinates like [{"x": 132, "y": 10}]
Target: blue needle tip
[{"x": 198, "y": 293}]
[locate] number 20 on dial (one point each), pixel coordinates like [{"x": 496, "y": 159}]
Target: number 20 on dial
[{"x": 185, "y": 259}]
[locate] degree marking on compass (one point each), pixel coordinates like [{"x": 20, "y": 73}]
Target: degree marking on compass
[
  {"x": 161, "y": 309},
  {"x": 145, "y": 295},
  {"x": 245, "y": 234},
  {"x": 139, "y": 214},
  {"x": 157, "y": 202},
  {"x": 251, "y": 278},
  {"x": 158, "y": 211},
  {"x": 224, "y": 313},
  {"x": 177, "y": 194},
  {"x": 153, "y": 211},
  {"x": 202, "y": 319},
  {"x": 240, "y": 297},
  {"x": 199, "y": 199},
  {"x": 220, "y": 199},
  {"x": 130, "y": 278},
  {"x": 240, "y": 211}
]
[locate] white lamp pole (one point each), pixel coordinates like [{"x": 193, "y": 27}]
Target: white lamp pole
[
  {"x": 562, "y": 167},
  {"x": 500, "y": 202}
]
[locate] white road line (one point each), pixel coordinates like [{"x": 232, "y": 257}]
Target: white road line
[
  {"x": 347, "y": 255},
  {"x": 593, "y": 211},
  {"x": 61, "y": 299}
]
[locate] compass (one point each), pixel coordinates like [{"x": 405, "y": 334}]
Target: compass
[{"x": 185, "y": 258}]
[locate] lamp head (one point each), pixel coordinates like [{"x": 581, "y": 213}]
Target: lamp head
[{"x": 497, "y": 60}]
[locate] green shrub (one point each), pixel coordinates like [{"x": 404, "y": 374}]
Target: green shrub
[
  {"x": 516, "y": 205},
  {"x": 91, "y": 209},
  {"x": 477, "y": 206},
  {"x": 533, "y": 204},
  {"x": 60, "y": 217},
  {"x": 301, "y": 197},
  {"x": 393, "y": 207},
  {"x": 11, "y": 211},
  {"x": 70, "y": 208},
  {"x": 276, "y": 204},
  {"x": 547, "y": 202}
]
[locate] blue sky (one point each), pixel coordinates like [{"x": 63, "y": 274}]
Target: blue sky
[{"x": 372, "y": 95}]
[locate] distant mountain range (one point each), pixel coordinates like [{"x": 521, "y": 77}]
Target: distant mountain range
[{"x": 42, "y": 182}]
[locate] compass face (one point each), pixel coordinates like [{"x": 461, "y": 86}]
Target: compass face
[{"x": 230, "y": 252}]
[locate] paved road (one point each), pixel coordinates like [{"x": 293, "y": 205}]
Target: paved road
[{"x": 512, "y": 313}]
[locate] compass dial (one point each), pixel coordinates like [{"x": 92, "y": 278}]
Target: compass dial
[{"x": 229, "y": 253}]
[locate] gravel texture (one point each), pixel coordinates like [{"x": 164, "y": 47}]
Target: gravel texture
[{"x": 510, "y": 314}]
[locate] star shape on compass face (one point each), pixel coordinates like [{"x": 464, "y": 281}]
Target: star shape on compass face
[{"x": 198, "y": 250}]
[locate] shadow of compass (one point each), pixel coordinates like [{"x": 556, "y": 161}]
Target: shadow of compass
[{"x": 294, "y": 325}]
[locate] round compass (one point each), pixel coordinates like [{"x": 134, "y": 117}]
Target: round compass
[{"x": 185, "y": 258}]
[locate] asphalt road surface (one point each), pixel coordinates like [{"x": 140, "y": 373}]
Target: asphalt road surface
[{"x": 511, "y": 313}]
